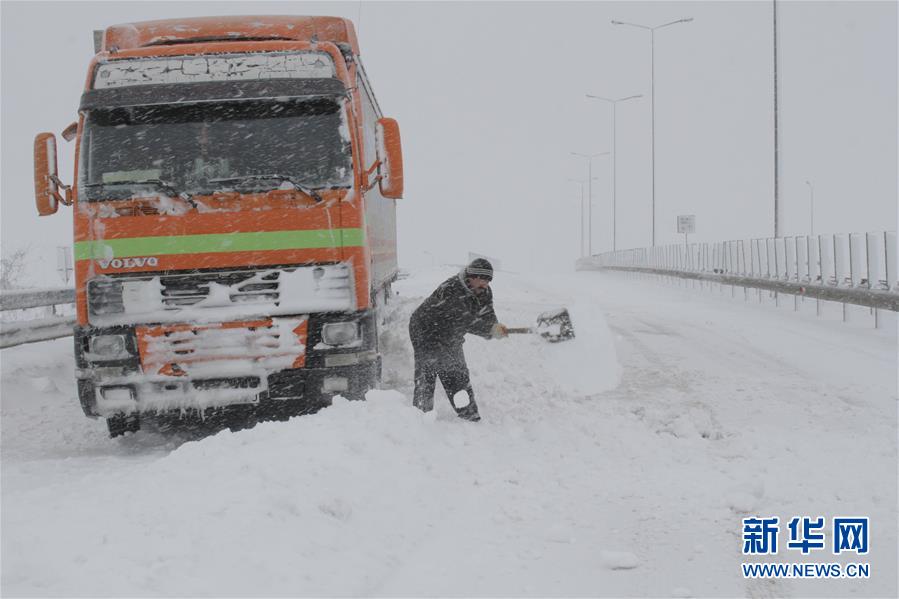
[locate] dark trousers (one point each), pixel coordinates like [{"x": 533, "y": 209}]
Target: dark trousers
[{"x": 447, "y": 363}]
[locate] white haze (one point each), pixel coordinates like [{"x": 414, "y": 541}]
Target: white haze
[{"x": 490, "y": 98}]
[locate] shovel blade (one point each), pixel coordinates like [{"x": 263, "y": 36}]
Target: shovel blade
[{"x": 555, "y": 325}]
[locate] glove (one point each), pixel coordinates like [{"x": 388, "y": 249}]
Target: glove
[{"x": 498, "y": 331}]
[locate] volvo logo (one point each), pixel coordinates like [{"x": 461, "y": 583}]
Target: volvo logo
[{"x": 129, "y": 262}]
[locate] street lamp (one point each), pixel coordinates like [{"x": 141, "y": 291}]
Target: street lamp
[
  {"x": 614, "y": 154},
  {"x": 589, "y": 158},
  {"x": 811, "y": 201},
  {"x": 581, "y": 183},
  {"x": 652, "y": 93}
]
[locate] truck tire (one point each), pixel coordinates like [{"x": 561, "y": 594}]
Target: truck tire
[
  {"x": 364, "y": 379},
  {"x": 122, "y": 423}
]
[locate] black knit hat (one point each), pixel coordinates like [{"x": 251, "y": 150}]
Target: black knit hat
[{"x": 480, "y": 268}]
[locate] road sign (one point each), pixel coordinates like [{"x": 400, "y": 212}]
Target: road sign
[{"x": 686, "y": 223}]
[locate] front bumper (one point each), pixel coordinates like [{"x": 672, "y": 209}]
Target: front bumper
[
  {"x": 295, "y": 390},
  {"x": 221, "y": 378}
]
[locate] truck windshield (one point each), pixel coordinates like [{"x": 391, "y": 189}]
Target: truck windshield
[{"x": 191, "y": 149}]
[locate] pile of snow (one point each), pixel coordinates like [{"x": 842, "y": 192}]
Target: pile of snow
[{"x": 345, "y": 502}]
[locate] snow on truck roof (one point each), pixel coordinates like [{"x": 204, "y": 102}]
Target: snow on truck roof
[{"x": 206, "y": 29}]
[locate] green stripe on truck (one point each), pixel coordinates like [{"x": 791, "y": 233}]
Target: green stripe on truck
[{"x": 218, "y": 242}]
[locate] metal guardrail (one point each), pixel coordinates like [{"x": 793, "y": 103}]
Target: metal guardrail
[
  {"x": 20, "y": 299},
  {"x": 850, "y": 268},
  {"x": 17, "y": 332}
]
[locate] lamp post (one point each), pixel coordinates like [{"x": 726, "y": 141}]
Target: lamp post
[
  {"x": 777, "y": 169},
  {"x": 589, "y": 158},
  {"x": 614, "y": 154},
  {"x": 811, "y": 203},
  {"x": 652, "y": 101},
  {"x": 581, "y": 183}
]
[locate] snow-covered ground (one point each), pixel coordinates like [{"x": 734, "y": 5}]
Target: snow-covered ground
[{"x": 618, "y": 464}]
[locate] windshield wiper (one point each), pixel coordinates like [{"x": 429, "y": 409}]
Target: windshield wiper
[
  {"x": 165, "y": 186},
  {"x": 298, "y": 185}
]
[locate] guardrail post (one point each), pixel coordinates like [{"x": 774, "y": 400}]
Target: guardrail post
[
  {"x": 796, "y": 252},
  {"x": 837, "y": 272},
  {"x": 723, "y": 267},
  {"x": 790, "y": 265},
  {"x": 854, "y": 274},
  {"x": 733, "y": 267},
  {"x": 890, "y": 259},
  {"x": 742, "y": 252},
  {"x": 758, "y": 245},
  {"x": 837, "y": 262},
  {"x": 873, "y": 267},
  {"x": 743, "y": 255},
  {"x": 752, "y": 257},
  {"x": 768, "y": 252},
  {"x": 776, "y": 274},
  {"x": 872, "y": 260},
  {"x": 819, "y": 270}
]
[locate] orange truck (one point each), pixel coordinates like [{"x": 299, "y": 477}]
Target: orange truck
[{"x": 234, "y": 219}]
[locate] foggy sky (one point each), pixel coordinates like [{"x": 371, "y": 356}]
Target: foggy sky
[{"x": 490, "y": 98}]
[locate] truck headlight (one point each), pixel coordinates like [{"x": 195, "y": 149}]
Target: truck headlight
[
  {"x": 104, "y": 296},
  {"x": 109, "y": 347},
  {"x": 340, "y": 333}
]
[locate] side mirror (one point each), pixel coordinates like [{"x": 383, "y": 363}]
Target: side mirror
[
  {"x": 46, "y": 182},
  {"x": 69, "y": 132},
  {"x": 391, "y": 155}
]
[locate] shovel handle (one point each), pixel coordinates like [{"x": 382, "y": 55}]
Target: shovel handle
[{"x": 519, "y": 330}]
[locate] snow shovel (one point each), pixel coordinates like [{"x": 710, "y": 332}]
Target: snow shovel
[{"x": 554, "y": 326}]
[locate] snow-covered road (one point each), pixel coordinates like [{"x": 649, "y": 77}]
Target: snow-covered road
[{"x": 618, "y": 464}]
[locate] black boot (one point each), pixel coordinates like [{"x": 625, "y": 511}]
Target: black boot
[{"x": 469, "y": 412}]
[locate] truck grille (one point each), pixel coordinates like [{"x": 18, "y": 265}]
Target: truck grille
[
  {"x": 220, "y": 295},
  {"x": 181, "y": 290}
]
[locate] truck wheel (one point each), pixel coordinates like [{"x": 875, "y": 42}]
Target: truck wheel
[
  {"x": 364, "y": 381},
  {"x": 355, "y": 394},
  {"x": 87, "y": 397},
  {"x": 123, "y": 423}
]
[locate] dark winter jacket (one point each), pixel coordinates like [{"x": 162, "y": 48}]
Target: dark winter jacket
[{"x": 453, "y": 310}]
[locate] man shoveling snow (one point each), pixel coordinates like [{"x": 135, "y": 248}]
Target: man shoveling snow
[{"x": 461, "y": 304}]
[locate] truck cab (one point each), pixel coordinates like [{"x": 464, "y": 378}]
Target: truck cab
[{"x": 234, "y": 209}]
